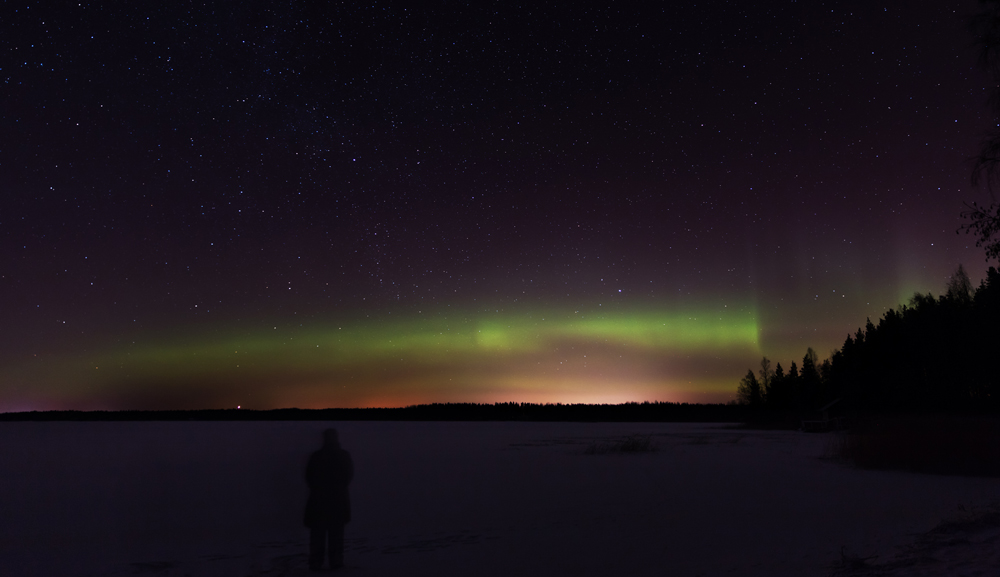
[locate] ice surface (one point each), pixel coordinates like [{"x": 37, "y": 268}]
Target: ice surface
[{"x": 226, "y": 498}]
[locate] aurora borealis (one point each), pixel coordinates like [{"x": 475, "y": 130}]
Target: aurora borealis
[
  {"x": 239, "y": 204},
  {"x": 575, "y": 355}
]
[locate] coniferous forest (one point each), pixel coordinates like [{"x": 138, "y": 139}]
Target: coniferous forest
[{"x": 932, "y": 355}]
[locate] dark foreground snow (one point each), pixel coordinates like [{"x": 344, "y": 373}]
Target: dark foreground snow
[{"x": 226, "y": 498}]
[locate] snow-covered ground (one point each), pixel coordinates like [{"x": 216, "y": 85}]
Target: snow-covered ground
[{"x": 215, "y": 498}]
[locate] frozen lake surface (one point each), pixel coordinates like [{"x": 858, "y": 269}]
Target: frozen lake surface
[{"x": 453, "y": 498}]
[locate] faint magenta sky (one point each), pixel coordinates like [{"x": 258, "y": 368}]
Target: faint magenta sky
[{"x": 566, "y": 202}]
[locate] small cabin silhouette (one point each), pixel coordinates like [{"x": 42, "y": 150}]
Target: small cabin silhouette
[{"x": 830, "y": 417}]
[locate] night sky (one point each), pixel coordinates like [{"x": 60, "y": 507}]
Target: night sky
[{"x": 321, "y": 204}]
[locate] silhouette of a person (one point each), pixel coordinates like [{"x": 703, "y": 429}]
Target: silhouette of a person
[{"x": 328, "y": 509}]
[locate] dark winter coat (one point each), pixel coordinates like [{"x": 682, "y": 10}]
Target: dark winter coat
[{"x": 328, "y": 474}]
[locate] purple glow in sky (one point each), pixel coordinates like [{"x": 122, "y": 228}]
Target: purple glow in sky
[{"x": 181, "y": 178}]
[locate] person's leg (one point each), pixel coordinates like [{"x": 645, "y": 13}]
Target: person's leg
[
  {"x": 336, "y": 533},
  {"x": 317, "y": 542}
]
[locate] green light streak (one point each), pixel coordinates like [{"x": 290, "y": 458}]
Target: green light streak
[
  {"x": 595, "y": 354},
  {"x": 674, "y": 331},
  {"x": 438, "y": 339}
]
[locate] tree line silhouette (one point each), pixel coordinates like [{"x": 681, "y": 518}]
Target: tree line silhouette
[{"x": 935, "y": 354}]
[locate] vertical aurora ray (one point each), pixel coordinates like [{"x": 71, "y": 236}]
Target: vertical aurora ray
[{"x": 537, "y": 355}]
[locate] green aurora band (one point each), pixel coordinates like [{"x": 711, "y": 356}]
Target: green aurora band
[{"x": 536, "y": 355}]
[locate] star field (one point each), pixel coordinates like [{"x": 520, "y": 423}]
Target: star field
[{"x": 204, "y": 174}]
